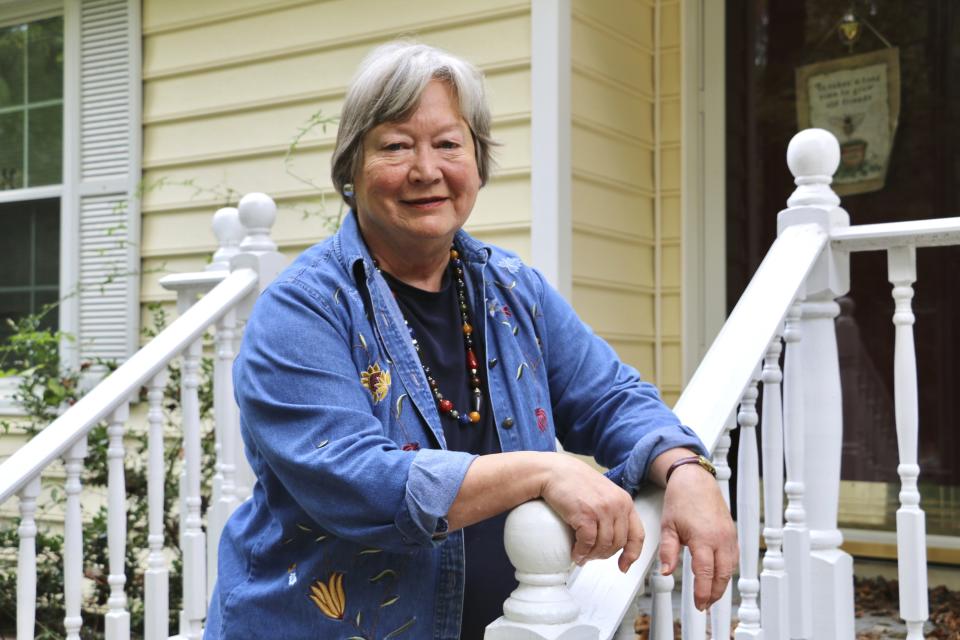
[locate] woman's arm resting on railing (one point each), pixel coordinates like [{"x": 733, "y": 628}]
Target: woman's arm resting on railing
[
  {"x": 696, "y": 515},
  {"x": 601, "y": 514}
]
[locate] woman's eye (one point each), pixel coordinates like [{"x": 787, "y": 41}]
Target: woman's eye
[
  {"x": 449, "y": 144},
  {"x": 393, "y": 146}
]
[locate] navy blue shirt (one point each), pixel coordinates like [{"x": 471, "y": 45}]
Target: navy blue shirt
[{"x": 436, "y": 323}]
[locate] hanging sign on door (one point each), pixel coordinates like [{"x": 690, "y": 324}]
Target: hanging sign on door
[{"x": 857, "y": 99}]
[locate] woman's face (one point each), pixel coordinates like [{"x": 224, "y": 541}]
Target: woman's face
[{"x": 419, "y": 178}]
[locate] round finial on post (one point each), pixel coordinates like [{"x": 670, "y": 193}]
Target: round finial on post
[
  {"x": 813, "y": 156},
  {"x": 229, "y": 231},
  {"x": 538, "y": 544},
  {"x": 257, "y": 213}
]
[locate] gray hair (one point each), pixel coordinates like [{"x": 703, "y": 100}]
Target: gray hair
[{"x": 387, "y": 88}]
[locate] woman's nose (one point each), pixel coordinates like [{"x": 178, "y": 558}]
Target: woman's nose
[{"x": 426, "y": 167}]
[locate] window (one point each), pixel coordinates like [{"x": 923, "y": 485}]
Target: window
[{"x": 31, "y": 159}]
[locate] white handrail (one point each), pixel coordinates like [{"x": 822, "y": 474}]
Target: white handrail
[
  {"x": 51, "y": 443},
  {"x": 915, "y": 233},
  {"x": 716, "y": 386}
]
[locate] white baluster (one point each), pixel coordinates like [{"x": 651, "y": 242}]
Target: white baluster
[
  {"x": 192, "y": 541},
  {"x": 229, "y": 231},
  {"x": 538, "y": 544},
  {"x": 73, "y": 539},
  {"x": 773, "y": 579},
  {"x": 661, "y": 609},
  {"x": 720, "y": 612},
  {"x": 243, "y": 474},
  {"x": 27, "y": 559},
  {"x": 911, "y": 526},
  {"x": 748, "y": 515},
  {"x": 813, "y": 156},
  {"x": 156, "y": 577},
  {"x": 117, "y": 621},
  {"x": 225, "y": 419},
  {"x": 796, "y": 537},
  {"x": 693, "y": 622}
]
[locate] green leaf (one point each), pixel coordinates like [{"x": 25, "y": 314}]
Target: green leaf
[
  {"x": 369, "y": 551},
  {"x": 406, "y": 625},
  {"x": 383, "y": 574},
  {"x": 389, "y": 601}
]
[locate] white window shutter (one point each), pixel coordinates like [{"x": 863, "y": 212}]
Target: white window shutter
[{"x": 108, "y": 170}]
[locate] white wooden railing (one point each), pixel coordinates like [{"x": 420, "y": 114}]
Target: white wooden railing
[
  {"x": 218, "y": 298},
  {"x": 788, "y": 306},
  {"x": 803, "y": 588}
]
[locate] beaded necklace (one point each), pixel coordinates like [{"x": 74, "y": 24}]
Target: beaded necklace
[{"x": 445, "y": 406}]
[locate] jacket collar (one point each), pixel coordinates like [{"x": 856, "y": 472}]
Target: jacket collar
[{"x": 352, "y": 248}]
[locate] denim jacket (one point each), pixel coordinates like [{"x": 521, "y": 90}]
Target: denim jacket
[{"x": 345, "y": 535}]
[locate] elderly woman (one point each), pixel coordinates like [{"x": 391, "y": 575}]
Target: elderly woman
[{"x": 401, "y": 387}]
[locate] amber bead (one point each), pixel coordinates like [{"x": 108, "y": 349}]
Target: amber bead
[
  {"x": 446, "y": 406},
  {"x": 467, "y": 328},
  {"x": 474, "y": 417},
  {"x": 454, "y": 254}
]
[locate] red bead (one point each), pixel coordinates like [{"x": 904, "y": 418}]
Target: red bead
[
  {"x": 446, "y": 406},
  {"x": 471, "y": 359}
]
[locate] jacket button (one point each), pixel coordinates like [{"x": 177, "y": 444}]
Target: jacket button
[
  {"x": 507, "y": 423},
  {"x": 492, "y": 363}
]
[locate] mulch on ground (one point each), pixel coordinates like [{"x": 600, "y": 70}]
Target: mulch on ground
[
  {"x": 881, "y": 597},
  {"x": 876, "y": 598}
]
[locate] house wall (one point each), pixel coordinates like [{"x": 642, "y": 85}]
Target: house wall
[
  {"x": 228, "y": 84},
  {"x": 626, "y": 180}
]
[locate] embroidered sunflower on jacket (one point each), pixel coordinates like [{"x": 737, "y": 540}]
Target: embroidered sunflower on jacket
[{"x": 377, "y": 381}]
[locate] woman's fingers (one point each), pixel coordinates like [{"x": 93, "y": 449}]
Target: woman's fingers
[
  {"x": 586, "y": 539},
  {"x": 634, "y": 543}
]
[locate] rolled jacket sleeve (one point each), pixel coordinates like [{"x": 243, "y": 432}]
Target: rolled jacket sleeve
[
  {"x": 312, "y": 434},
  {"x": 601, "y": 406}
]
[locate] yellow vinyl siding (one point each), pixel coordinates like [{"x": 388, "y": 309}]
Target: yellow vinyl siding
[
  {"x": 227, "y": 84},
  {"x": 618, "y": 283}
]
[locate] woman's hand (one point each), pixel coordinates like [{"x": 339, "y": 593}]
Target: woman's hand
[
  {"x": 601, "y": 514},
  {"x": 696, "y": 515}
]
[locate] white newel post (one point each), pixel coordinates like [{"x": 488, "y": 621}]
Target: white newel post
[
  {"x": 27, "y": 560},
  {"x": 911, "y": 526},
  {"x": 156, "y": 587},
  {"x": 73, "y": 540},
  {"x": 773, "y": 579},
  {"x": 813, "y": 156},
  {"x": 117, "y": 620},
  {"x": 538, "y": 544},
  {"x": 748, "y": 515},
  {"x": 258, "y": 251}
]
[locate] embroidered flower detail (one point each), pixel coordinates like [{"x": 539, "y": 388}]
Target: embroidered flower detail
[
  {"x": 510, "y": 264},
  {"x": 411, "y": 446},
  {"x": 377, "y": 381},
  {"x": 507, "y": 312},
  {"x": 541, "y": 419},
  {"x": 330, "y": 597}
]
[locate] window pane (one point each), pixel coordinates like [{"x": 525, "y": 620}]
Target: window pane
[
  {"x": 11, "y": 65},
  {"x": 46, "y": 242},
  {"x": 44, "y": 146},
  {"x": 41, "y": 299},
  {"x": 15, "y": 218},
  {"x": 45, "y": 60},
  {"x": 11, "y": 150},
  {"x": 12, "y": 306}
]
